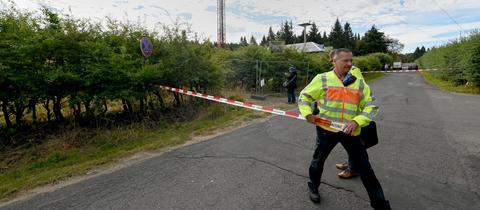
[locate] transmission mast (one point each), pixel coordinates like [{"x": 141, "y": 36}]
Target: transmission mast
[{"x": 221, "y": 23}]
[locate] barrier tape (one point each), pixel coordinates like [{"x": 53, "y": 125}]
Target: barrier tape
[
  {"x": 335, "y": 125},
  {"x": 399, "y": 71}
]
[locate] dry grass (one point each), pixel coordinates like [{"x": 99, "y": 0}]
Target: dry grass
[{"x": 76, "y": 150}]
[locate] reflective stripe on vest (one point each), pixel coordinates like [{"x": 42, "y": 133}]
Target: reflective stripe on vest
[{"x": 339, "y": 101}]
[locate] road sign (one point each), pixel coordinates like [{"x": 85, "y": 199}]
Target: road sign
[{"x": 146, "y": 47}]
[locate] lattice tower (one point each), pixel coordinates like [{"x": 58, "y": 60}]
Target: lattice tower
[{"x": 220, "y": 23}]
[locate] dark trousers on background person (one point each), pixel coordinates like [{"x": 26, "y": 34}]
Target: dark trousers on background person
[
  {"x": 291, "y": 95},
  {"x": 355, "y": 148}
]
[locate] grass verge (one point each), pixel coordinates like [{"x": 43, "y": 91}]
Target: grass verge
[
  {"x": 77, "y": 151},
  {"x": 449, "y": 86},
  {"x": 370, "y": 77}
]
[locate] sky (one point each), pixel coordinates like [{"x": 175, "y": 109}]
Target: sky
[{"x": 414, "y": 23}]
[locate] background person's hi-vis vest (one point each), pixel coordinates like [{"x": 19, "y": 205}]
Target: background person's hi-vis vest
[{"x": 337, "y": 102}]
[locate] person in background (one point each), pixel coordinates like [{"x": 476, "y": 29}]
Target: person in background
[{"x": 291, "y": 84}]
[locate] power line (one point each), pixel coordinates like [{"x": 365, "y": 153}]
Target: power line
[
  {"x": 402, "y": 21},
  {"x": 451, "y": 18}
]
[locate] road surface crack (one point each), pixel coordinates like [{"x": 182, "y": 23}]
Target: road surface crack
[{"x": 270, "y": 164}]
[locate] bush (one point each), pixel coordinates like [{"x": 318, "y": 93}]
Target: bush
[
  {"x": 372, "y": 62},
  {"x": 459, "y": 60}
]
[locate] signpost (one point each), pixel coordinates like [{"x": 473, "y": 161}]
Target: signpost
[{"x": 146, "y": 47}]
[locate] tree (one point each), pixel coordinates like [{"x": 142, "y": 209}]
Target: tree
[
  {"x": 373, "y": 41},
  {"x": 349, "y": 39},
  {"x": 299, "y": 39},
  {"x": 394, "y": 45},
  {"x": 416, "y": 53},
  {"x": 253, "y": 41},
  {"x": 314, "y": 35},
  {"x": 336, "y": 36},
  {"x": 243, "y": 41},
  {"x": 286, "y": 33},
  {"x": 325, "y": 39},
  {"x": 264, "y": 41},
  {"x": 271, "y": 35},
  {"x": 18, "y": 63}
]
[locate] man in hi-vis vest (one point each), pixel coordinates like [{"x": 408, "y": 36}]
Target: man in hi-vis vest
[{"x": 341, "y": 98}]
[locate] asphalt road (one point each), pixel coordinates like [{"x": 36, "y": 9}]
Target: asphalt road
[{"x": 428, "y": 158}]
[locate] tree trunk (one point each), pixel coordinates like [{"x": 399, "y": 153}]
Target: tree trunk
[
  {"x": 77, "y": 111},
  {"x": 160, "y": 99},
  {"x": 88, "y": 109},
  {"x": 57, "y": 109},
  {"x": 178, "y": 103},
  {"x": 150, "y": 102},
  {"x": 105, "y": 107},
  {"x": 124, "y": 105},
  {"x": 130, "y": 106},
  {"x": 127, "y": 106},
  {"x": 33, "y": 108},
  {"x": 142, "y": 106},
  {"x": 19, "y": 108},
  {"x": 5, "y": 112},
  {"x": 47, "y": 108}
]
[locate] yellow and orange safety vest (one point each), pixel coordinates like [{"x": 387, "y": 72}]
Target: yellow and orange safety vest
[{"x": 337, "y": 102}]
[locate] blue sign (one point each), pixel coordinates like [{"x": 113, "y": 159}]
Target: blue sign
[{"x": 146, "y": 47}]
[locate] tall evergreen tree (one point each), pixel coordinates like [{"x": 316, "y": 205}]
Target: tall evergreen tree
[
  {"x": 253, "y": 41},
  {"x": 271, "y": 35},
  {"x": 349, "y": 39},
  {"x": 325, "y": 39},
  {"x": 286, "y": 33},
  {"x": 314, "y": 35},
  {"x": 336, "y": 35},
  {"x": 243, "y": 41},
  {"x": 264, "y": 41},
  {"x": 373, "y": 41},
  {"x": 416, "y": 53}
]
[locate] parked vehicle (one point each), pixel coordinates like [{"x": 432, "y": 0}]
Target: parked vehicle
[
  {"x": 409, "y": 66},
  {"x": 397, "y": 65}
]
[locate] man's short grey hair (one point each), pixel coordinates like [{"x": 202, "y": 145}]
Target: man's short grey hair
[{"x": 337, "y": 52}]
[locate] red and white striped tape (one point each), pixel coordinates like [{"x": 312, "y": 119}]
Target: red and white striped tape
[
  {"x": 399, "y": 71},
  {"x": 334, "y": 125}
]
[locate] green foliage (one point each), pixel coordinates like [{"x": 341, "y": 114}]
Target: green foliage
[
  {"x": 373, "y": 41},
  {"x": 314, "y": 35},
  {"x": 80, "y": 64},
  {"x": 286, "y": 33},
  {"x": 339, "y": 37},
  {"x": 336, "y": 38},
  {"x": 319, "y": 63},
  {"x": 459, "y": 60},
  {"x": 372, "y": 62}
]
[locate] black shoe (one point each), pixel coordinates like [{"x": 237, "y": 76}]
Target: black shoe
[
  {"x": 314, "y": 195},
  {"x": 384, "y": 206}
]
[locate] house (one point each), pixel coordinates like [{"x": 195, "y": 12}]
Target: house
[{"x": 308, "y": 47}]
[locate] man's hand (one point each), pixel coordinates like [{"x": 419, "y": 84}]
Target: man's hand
[
  {"x": 350, "y": 127},
  {"x": 311, "y": 118}
]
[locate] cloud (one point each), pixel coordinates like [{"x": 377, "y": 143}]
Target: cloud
[
  {"x": 412, "y": 22},
  {"x": 139, "y": 7}
]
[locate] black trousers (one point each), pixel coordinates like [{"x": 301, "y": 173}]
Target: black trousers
[{"x": 355, "y": 148}]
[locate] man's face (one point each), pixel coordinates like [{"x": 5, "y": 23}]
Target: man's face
[{"x": 343, "y": 62}]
